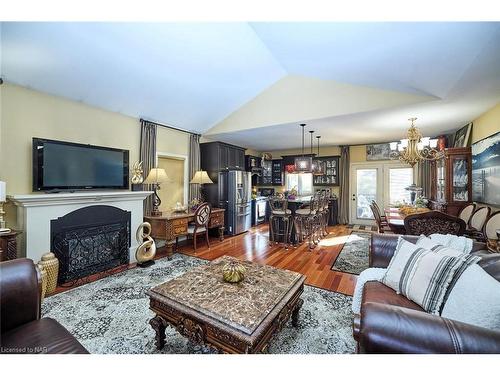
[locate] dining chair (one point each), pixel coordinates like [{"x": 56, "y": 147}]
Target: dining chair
[
  {"x": 476, "y": 223},
  {"x": 376, "y": 206},
  {"x": 491, "y": 227},
  {"x": 466, "y": 212},
  {"x": 383, "y": 226},
  {"x": 200, "y": 224},
  {"x": 431, "y": 222}
]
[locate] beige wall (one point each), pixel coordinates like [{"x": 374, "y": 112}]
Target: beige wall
[
  {"x": 486, "y": 124},
  {"x": 27, "y": 113}
]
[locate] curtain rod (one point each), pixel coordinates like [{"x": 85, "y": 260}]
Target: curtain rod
[{"x": 170, "y": 127}]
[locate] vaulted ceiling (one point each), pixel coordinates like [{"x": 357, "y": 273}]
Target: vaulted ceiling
[{"x": 252, "y": 83}]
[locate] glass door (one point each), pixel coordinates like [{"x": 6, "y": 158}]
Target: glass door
[{"x": 366, "y": 187}]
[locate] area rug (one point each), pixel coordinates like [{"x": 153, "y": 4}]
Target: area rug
[
  {"x": 112, "y": 315},
  {"x": 353, "y": 257},
  {"x": 363, "y": 228}
]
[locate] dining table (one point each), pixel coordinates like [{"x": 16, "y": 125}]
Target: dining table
[{"x": 396, "y": 219}]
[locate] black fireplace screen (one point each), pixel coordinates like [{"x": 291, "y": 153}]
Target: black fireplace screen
[{"x": 90, "y": 240}]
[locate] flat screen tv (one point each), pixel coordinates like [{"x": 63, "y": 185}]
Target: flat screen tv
[
  {"x": 61, "y": 165},
  {"x": 486, "y": 170}
]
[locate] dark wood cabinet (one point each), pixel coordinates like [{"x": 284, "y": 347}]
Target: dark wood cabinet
[
  {"x": 217, "y": 156},
  {"x": 330, "y": 165},
  {"x": 451, "y": 185},
  {"x": 277, "y": 173}
]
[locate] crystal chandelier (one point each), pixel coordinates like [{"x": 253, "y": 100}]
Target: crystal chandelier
[{"x": 415, "y": 148}]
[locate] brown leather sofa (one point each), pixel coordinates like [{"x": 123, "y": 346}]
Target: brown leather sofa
[
  {"x": 22, "y": 329},
  {"x": 391, "y": 323}
]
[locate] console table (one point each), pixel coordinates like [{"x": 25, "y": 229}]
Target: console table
[
  {"x": 8, "y": 245},
  {"x": 172, "y": 225}
]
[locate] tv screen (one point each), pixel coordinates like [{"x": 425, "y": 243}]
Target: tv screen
[{"x": 61, "y": 165}]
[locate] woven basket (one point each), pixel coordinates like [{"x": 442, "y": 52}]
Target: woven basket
[
  {"x": 50, "y": 264},
  {"x": 44, "y": 275}
]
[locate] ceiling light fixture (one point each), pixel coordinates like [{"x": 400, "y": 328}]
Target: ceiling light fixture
[
  {"x": 415, "y": 148},
  {"x": 303, "y": 163},
  {"x": 317, "y": 165}
]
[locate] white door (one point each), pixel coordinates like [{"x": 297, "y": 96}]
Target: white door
[
  {"x": 365, "y": 187},
  {"x": 383, "y": 182}
]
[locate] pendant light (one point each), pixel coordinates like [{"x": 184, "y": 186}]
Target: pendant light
[
  {"x": 303, "y": 163},
  {"x": 318, "y": 165}
]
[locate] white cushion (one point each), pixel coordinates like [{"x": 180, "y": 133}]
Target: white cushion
[
  {"x": 475, "y": 299},
  {"x": 200, "y": 230},
  {"x": 281, "y": 212},
  {"x": 404, "y": 250},
  {"x": 455, "y": 245},
  {"x": 304, "y": 211}
]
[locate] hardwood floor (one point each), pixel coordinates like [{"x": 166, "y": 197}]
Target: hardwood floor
[{"x": 254, "y": 246}]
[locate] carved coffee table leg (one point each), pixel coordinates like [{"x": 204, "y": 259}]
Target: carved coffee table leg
[
  {"x": 159, "y": 325},
  {"x": 170, "y": 250},
  {"x": 295, "y": 313}
]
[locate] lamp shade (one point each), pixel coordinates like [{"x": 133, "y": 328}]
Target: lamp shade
[
  {"x": 201, "y": 177},
  {"x": 156, "y": 176},
  {"x": 3, "y": 191}
]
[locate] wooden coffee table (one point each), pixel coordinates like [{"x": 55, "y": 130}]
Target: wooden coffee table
[{"x": 232, "y": 318}]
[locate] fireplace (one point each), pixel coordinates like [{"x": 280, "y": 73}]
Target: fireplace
[{"x": 90, "y": 240}]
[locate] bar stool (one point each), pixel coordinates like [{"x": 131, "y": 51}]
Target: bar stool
[
  {"x": 280, "y": 214},
  {"x": 325, "y": 213},
  {"x": 305, "y": 222}
]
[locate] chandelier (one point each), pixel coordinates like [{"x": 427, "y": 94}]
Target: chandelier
[
  {"x": 318, "y": 169},
  {"x": 303, "y": 163},
  {"x": 415, "y": 148}
]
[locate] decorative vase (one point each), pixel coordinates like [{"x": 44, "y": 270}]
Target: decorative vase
[
  {"x": 233, "y": 272},
  {"x": 50, "y": 264},
  {"x": 43, "y": 274}
]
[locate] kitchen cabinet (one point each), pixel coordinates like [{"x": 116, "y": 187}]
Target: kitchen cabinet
[
  {"x": 451, "y": 185},
  {"x": 330, "y": 165}
]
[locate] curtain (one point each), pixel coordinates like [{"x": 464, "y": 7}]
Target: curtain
[
  {"x": 424, "y": 177},
  {"x": 194, "y": 165},
  {"x": 148, "y": 157},
  {"x": 344, "y": 185}
]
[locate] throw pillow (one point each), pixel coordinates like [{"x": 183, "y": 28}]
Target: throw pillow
[
  {"x": 460, "y": 243},
  {"x": 475, "y": 299},
  {"x": 426, "y": 278},
  {"x": 404, "y": 250}
]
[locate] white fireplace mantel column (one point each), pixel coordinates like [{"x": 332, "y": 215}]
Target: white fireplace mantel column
[{"x": 35, "y": 211}]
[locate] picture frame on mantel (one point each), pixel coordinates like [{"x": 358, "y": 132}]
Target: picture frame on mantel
[
  {"x": 378, "y": 151},
  {"x": 463, "y": 136}
]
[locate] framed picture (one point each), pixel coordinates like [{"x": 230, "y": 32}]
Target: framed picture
[
  {"x": 462, "y": 136},
  {"x": 486, "y": 170},
  {"x": 380, "y": 151}
]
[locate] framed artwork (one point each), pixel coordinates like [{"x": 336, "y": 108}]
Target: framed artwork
[
  {"x": 380, "y": 151},
  {"x": 462, "y": 136},
  {"x": 486, "y": 170}
]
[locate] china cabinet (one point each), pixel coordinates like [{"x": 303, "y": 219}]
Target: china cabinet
[
  {"x": 451, "y": 187},
  {"x": 330, "y": 167}
]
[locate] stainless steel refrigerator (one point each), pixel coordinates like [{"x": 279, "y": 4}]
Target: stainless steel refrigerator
[{"x": 235, "y": 195}]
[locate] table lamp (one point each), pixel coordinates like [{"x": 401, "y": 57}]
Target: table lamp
[
  {"x": 156, "y": 177},
  {"x": 201, "y": 177},
  {"x": 3, "y": 198}
]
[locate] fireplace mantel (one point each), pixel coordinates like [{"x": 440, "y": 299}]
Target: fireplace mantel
[
  {"x": 41, "y": 199},
  {"x": 35, "y": 211}
]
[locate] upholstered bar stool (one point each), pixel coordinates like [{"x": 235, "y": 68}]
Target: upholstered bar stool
[
  {"x": 305, "y": 222},
  {"x": 280, "y": 221}
]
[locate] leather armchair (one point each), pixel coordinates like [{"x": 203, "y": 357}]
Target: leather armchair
[
  {"x": 22, "y": 328},
  {"x": 390, "y": 323}
]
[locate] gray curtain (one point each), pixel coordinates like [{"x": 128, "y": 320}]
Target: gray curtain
[
  {"x": 194, "y": 165},
  {"x": 148, "y": 157},
  {"x": 424, "y": 177},
  {"x": 344, "y": 185}
]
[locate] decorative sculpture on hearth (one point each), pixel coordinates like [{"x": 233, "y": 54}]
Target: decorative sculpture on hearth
[
  {"x": 137, "y": 177},
  {"x": 146, "y": 251}
]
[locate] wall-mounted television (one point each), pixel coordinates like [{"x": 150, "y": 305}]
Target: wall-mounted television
[{"x": 59, "y": 165}]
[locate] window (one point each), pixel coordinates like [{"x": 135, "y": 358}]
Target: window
[
  {"x": 303, "y": 182},
  {"x": 399, "y": 179}
]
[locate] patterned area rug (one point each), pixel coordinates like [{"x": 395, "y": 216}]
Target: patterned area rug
[
  {"x": 363, "y": 228},
  {"x": 353, "y": 257},
  {"x": 112, "y": 315}
]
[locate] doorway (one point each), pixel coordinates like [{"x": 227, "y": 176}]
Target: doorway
[{"x": 383, "y": 182}]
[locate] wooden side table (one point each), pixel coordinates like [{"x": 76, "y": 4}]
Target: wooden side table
[{"x": 8, "y": 245}]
